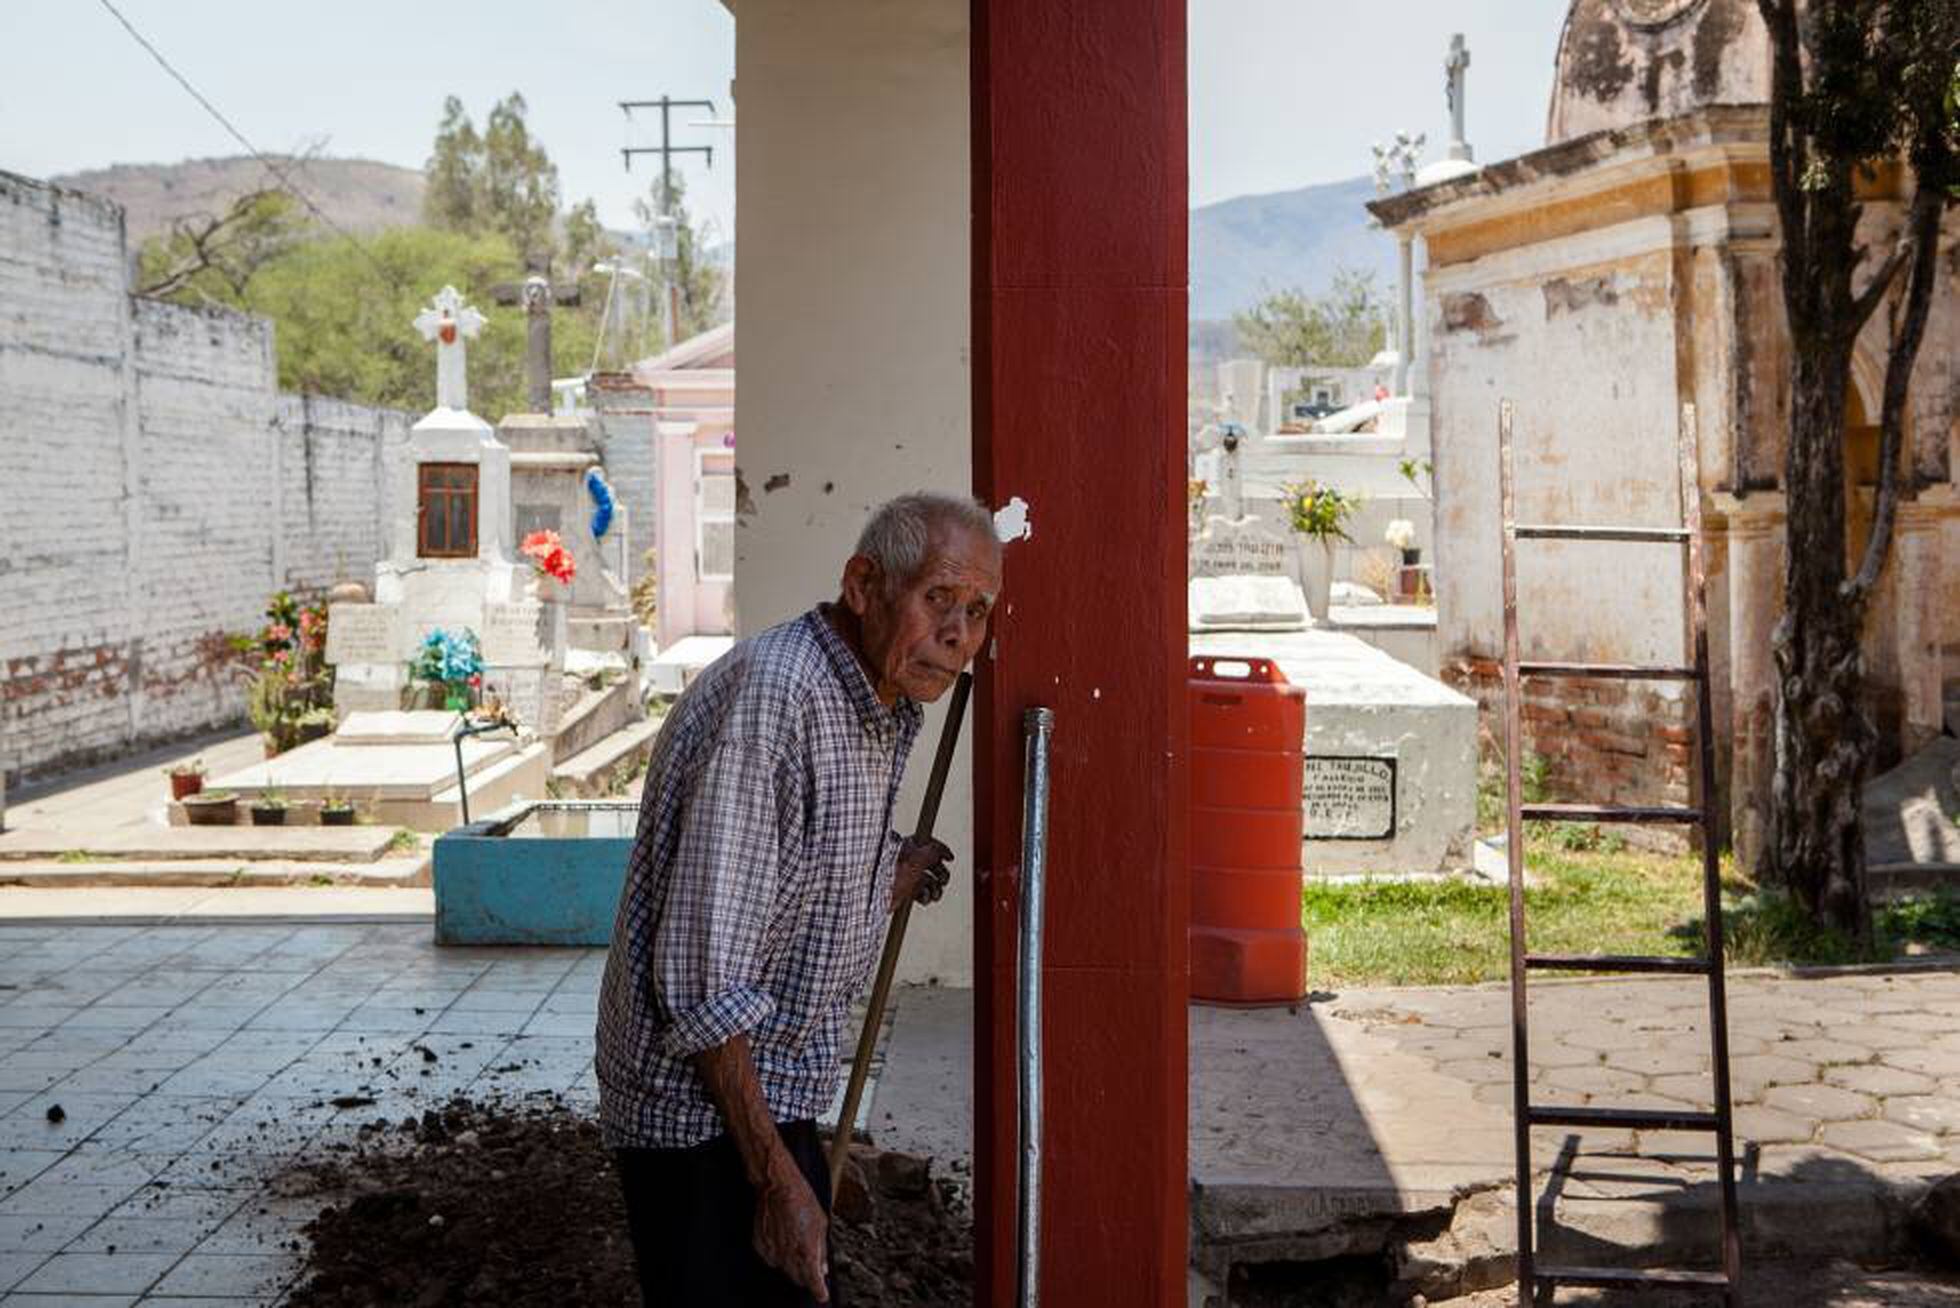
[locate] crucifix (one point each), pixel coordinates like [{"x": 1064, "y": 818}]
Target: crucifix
[
  {"x": 537, "y": 294},
  {"x": 1454, "y": 68},
  {"x": 449, "y": 322}
]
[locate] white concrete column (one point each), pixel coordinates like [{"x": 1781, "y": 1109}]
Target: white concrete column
[
  {"x": 1753, "y": 551},
  {"x": 853, "y": 155},
  {"x": 1917, "y": 583},
  {"x": 1405, "y": 342}
]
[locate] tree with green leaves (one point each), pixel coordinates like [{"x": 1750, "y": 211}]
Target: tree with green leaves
[
  {"x": 500, "y": 180},
  {"x": 1857, "y": 87},
  {"x": 1343, "y": 328},
  {"x": 343, "y": 318},
  {"x": 702, "y": 281}
]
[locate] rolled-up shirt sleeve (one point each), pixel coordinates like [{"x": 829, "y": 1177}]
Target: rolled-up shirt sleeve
[{"x": 707, "y": 947}]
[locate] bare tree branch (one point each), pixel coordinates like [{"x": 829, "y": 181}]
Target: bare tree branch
[{"x": 1874, "y": 293}]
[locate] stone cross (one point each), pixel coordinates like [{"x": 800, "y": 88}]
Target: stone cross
[
  {"x": 537, "y": 295},
  {"x": 1454, "y": 68},
  {"x": 449, "y": 322}
]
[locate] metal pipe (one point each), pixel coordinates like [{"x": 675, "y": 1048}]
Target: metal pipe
[
  {"x": 464, "y": 730},
  {"x": 1037, "y": 725}
]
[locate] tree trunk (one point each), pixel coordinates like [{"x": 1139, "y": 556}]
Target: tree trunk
[{"x": 1824, "y": 739}]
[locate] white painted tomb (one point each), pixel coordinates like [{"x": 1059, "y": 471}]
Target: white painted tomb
[
  {"x": 451, "y": 567},
  {"x": 1390, "y": 782}
]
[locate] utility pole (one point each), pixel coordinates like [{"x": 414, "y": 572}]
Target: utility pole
[
  {"x": 666, "y": 232},
  {"x": 666, "y": 149}
]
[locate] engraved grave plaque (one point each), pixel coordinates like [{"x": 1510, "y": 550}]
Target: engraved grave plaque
[{"x": 1348, "y": 798}]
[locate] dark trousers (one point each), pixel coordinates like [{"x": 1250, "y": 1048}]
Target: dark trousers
[{"x": 691, "y": 1215}]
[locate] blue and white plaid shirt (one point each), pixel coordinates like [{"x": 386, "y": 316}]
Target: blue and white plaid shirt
[{"x": 759, "y": 885}]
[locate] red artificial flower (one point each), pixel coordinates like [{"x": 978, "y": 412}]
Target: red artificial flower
[
  {"x": 278, "y": 634},
  {"x": 547, "y": 551}
]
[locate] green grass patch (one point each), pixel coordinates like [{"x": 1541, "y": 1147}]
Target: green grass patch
[
  {"x": 402, "y": 842},
  {"x": 1592, "y": 895}
]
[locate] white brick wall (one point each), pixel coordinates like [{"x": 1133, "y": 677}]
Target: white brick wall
[{"x": 155, "y": 488}]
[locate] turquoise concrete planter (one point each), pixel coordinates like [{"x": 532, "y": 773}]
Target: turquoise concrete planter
[{"x": 534, "y": 874}]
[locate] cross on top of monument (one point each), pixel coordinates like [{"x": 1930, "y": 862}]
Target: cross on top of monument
[
  {"x": 1453, "y": 68},
  {"x": 537, "y": 294},
  {"x": 449, "y": 322}
]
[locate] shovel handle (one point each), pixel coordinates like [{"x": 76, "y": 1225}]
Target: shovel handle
[{"x": 874, "y": 1014}]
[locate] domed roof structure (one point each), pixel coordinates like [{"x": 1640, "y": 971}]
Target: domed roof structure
[{"x": 1621, "y": 62}]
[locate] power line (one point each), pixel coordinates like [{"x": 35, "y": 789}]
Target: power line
[{"x": 285, "y": 181}]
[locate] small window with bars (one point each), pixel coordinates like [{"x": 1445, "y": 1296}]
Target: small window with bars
[
  {"x": 446, "y": 510},
  {"x": 714, "y": 515}
]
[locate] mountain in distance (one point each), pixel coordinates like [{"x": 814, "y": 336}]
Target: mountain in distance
[
  {"x": 1241, "y": 249},
  {"x": 1245, "y": 248},
  {"x": 360, "y": 195}
]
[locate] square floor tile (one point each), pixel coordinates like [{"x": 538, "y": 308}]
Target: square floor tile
[
  {"x": 40, "y": 1234},
  {"x": 93, "y": 1273},
  {"x": 260, "y": 1276}
]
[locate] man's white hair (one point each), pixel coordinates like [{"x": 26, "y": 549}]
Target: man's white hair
[{"x": 898, "y": 535}]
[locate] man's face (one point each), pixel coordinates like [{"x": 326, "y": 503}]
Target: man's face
[{"x": 919, "y": 636}]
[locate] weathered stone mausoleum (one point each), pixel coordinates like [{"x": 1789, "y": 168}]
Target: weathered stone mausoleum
[{"x": 1629, "y": 267}]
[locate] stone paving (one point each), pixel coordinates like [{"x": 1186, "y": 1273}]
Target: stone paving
[
  {"x": 190, "y": 1061},
  {"x": 1387, "y": 1103}
]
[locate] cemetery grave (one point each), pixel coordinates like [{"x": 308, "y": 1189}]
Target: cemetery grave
[{"x": 457, "y": 617}]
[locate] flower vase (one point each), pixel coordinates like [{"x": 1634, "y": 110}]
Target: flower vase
[
  {"x": 1317, "y": 574},
  {"x": 1408, "y": 578}
]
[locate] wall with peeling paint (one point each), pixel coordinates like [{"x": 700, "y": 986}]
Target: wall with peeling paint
[
  {"x": 1598, "y": 285},
  {"x": 854, "y": 292},
  {"x": 1624, "y": 61},
  {"x": 156, "y": 489}
]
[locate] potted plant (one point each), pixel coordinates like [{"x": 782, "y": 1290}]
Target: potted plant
[
  {"x": 269, "y": 809},
  {"x": 336, "y": 811},
  {"x": 290, "y": 699},
  {"x": 185, "y": 778},
  {"x": 211, "y": 808},
  {"x": 1319, "y": 514}
]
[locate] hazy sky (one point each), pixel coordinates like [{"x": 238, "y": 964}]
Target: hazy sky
[{"x": 1283, "y": 92}]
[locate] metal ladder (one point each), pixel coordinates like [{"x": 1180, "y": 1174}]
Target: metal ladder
[{"x": 1534, "y": 1277}]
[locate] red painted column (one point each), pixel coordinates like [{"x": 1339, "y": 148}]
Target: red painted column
[{"x": 1079, "y": 292}]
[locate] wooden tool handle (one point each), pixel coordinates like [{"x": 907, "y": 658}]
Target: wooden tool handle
[{"x": 874, "y": 1014}]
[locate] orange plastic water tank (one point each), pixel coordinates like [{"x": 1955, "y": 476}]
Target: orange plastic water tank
[{"x": 1247, "y": 729}]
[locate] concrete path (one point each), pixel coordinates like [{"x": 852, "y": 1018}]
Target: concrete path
[
  {"x": 202, "y": 905},
  {"x": 93, "y": 803}
]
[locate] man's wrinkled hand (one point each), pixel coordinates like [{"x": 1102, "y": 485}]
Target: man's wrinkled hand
[
  {"x": 791, "y": 1232},
  {"x": 922, "y": 873}
]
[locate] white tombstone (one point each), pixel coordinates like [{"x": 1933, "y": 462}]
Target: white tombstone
[
  {"x": 1242, "y": 578},
  {"x": 451, "y": 563}
]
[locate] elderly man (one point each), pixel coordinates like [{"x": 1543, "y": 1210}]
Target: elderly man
[{"x": 761, "y": 878}]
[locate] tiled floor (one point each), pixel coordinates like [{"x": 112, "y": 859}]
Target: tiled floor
[{"x": 190, "y": 1061}]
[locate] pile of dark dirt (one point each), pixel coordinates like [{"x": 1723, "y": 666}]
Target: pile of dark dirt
[{"x": 516, "y": 1204}]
